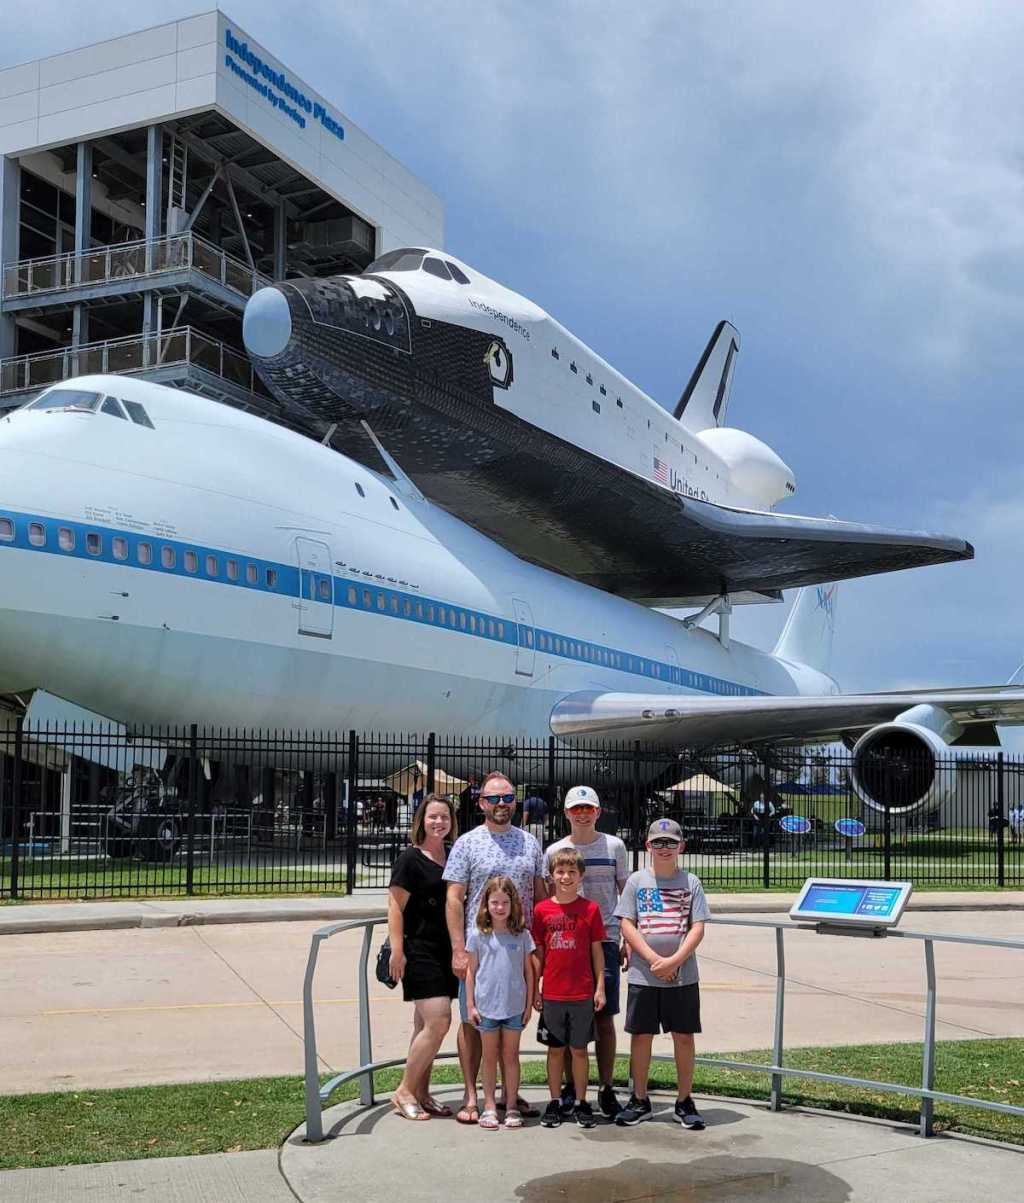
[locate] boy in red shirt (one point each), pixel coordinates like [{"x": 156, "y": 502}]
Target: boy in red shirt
[{"x": 567, "y": 932}]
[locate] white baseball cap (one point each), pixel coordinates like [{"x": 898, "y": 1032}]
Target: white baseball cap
[{"x": 581, "y": 795}]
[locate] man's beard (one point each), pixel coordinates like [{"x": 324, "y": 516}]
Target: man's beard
[{"x": 501, "y": 815}]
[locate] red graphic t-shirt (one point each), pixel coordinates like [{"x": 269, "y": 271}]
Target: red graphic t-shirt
[{"x": 565, "y": 933}]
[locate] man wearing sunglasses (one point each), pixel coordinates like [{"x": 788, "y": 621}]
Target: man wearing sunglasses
[
  {"x": 607, "y": 870},
  {"x": 663, "y": 911},
  {"x": 495, "y": 847}
]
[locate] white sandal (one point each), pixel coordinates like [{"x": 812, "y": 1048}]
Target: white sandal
[
  {"x": 489, "y": 1120},
  {"x": 513, "y": 1119}
]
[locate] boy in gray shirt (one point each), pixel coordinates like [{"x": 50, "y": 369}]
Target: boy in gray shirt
[{"x": 663, "y": 911}]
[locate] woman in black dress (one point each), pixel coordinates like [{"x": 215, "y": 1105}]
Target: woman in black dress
[{"x": 421, "y": 952}]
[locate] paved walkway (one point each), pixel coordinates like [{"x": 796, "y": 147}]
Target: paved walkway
[
  {"x": 746, "y": 1153},
  {"x": 94, "y": 1009},
  {"x": 190, "y": 912}
]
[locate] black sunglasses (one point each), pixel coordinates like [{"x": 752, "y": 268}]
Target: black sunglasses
[{"x": 496, "y": 798}]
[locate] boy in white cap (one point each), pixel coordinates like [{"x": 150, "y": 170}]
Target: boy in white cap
[
  {"x": 663, "y": 911},
  {"x": 607, "y": 869}
]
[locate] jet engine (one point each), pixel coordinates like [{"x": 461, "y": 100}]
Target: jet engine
[{"x": 907, "y": 767}]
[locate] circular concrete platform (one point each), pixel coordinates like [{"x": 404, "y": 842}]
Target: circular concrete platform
[{"x": 746, "y": 1153}]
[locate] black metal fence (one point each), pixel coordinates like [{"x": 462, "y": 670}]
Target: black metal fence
[{"x": 102, "y": 811}]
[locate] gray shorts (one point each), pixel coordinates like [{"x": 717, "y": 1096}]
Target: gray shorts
[{"x": 567, "y": 1023}]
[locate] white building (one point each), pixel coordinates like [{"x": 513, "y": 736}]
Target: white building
[{"x": 149, "y": 183}]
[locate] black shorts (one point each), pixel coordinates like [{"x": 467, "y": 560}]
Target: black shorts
[
  {"x": 654, "y": 1009},
  {"x": 566, "y": 1023}
]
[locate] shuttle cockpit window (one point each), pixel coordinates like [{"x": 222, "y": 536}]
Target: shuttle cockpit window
[
  {"x": 457, "y": 272},
  {"x": 436, "y": 268},
  {"x": 406, "y": 260},
  {"x": 112, "y": 407},
  {"x": 137, "y": 414},
  {"x": 74, "y": 399}
]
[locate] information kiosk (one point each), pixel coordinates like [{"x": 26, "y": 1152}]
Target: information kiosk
[{"x": 848, "y": 907}]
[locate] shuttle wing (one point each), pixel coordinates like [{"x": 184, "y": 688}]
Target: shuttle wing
[{"x": 694, "y": 721}]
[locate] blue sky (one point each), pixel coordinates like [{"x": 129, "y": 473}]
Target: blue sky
[{"x": 844, "y": 183}]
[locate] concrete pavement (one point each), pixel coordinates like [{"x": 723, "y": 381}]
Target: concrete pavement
[
  {"x": 746, "y": 1153},
  {"x": 95, "y": 1009},
  {"x": 37, "y": 917}
]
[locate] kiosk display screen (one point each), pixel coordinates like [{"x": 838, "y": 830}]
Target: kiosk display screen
[{"x": 867, "y": 903}]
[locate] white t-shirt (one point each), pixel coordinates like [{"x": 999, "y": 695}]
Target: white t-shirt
[{"x": 480, "y": 854}]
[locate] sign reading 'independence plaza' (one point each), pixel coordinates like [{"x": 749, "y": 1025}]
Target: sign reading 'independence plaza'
[{"x": 278, "y": 89}]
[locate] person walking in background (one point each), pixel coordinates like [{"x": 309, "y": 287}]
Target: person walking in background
[
  {"x": 663, "y": 912},
  {"x": 569, "y": 935},
  {"x": 607, "y": 867},
  {"x": 1016, "y": 818},
  {"x": 495, "y": 847},
  {"x": 421, "y": 952},
  {"x": 499, "y": 991}
]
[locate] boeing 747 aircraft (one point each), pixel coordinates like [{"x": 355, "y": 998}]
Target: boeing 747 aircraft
[
  {"x": 504, "y": 418},
  {"x": 167, "y": 559}
]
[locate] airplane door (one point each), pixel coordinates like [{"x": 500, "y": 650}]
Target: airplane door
[
  {"x": 316, "y": 588},
  {"x": 525, "y": 649}
]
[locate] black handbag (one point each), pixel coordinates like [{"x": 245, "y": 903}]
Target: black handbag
[{"x": 384, "y": 966}]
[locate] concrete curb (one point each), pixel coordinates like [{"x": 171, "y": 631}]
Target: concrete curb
[{"x": 37, "y": 919}]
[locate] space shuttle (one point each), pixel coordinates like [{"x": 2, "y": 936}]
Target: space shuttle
[{"x": 504, "y": 418}]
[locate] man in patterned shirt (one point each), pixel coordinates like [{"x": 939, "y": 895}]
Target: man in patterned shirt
[
  {"x": 663, "y": 911},
  {"x": 493, "y": 847}
]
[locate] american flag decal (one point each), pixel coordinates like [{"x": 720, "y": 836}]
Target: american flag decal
[
  {"x": 662, "y": 912},
  {"x": 660, "y": 470}
]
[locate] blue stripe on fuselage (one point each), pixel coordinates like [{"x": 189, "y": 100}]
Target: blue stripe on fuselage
[{"x": 353, "y": 594}]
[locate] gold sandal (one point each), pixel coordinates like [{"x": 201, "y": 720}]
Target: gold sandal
[{"x": 409, "y": 1110}]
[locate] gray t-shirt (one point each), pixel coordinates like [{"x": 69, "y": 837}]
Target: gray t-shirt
[
  {"x": 499, "y": 988},
  {"x": 480, "y": 854},
  {"x": 663, "y": 909},
  {"x": 607, "y": 864}
]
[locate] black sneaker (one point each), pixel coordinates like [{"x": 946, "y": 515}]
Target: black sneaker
[
  {"x": 608, "y": 1103},
  {"x": 686, "y": 1113},
  {"x": 583, "y": 1114},
  {"x": 567, "y": 1100},
  {"x": 552, "y": 1117},
  {"x": 634, "y": 1112}
]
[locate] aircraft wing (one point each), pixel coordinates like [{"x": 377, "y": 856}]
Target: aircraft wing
[{"x": 694, "y": 720}]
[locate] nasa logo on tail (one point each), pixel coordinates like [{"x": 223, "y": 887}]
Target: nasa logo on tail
[
  {"x": 499, "y": 364},
  {"x": 826, "y": 600}
]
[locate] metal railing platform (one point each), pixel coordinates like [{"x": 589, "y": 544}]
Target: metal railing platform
[
  {"x": 316, "y": 1094},
  {"x": 164, "y": 264}
]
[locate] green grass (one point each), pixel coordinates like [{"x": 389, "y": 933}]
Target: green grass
[{"x": 215, "y": 1117}]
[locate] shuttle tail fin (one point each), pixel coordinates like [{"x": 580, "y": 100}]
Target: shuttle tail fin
[
  {"x": 808, "y": 634},
  {"x": 706, "y": 397}
]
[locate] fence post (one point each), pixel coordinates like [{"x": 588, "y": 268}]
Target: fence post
[
  {"x": 431, "y": 761},
  {"x": 887, "y": 843},
  {"x": 193, "y": 789},
  {"x": 780, "y": 1008},
  {"x": 351, "y": 818},
  {"x": 552, "y": 798},
  {"x": 766, "y": 828},
  {"x": 638, "y": 816},
  {"x": 19, "y": 729},
  {"x": 1000, "y": 836}
]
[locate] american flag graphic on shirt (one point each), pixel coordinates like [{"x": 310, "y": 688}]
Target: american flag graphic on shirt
[
  {"x": 660, "y": 470},
  {"x": 662, "y": 912}
]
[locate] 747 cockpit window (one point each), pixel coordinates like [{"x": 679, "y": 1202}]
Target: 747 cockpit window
[
  {"x": 75, "y": 399},
  {"x": 137, "y": 414},
  {"x": 406, "y": 260}
]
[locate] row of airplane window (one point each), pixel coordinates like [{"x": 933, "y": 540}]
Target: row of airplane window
[
  {"x": 442, "y": 616},
  {"x": 145, "y": 553}
]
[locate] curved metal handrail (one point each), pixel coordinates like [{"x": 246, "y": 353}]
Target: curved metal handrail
[{"x": 316, "y": 1095}]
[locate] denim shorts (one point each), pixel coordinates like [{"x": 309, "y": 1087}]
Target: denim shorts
[{"x": 514, "y": 1023}]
